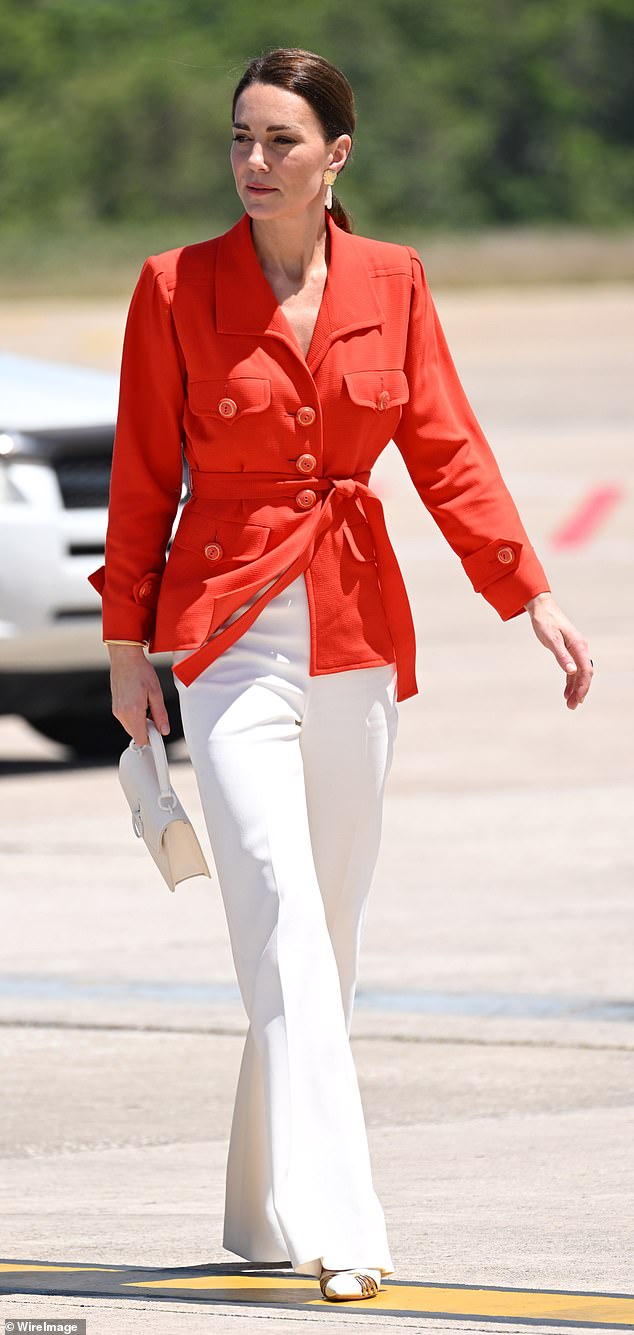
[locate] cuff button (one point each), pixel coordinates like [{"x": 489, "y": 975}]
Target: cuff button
[{"x": 506, "y": 555}]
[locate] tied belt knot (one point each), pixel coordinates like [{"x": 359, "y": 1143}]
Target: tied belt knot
[
  {"x": 346, "y": 486},
  {"x": 278, "y": 567}
]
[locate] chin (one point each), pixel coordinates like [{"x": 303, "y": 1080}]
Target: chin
[{"x": 261, "y": 208}]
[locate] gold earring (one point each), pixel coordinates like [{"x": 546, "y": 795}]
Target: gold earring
[{"x": 329, "y": 179}]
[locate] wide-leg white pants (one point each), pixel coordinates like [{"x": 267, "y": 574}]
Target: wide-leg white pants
[{"x": 291, "y": 772}]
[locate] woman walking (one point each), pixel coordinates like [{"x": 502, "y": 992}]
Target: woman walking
[{"x": 283, "y": 356}]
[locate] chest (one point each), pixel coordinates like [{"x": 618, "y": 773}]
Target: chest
[{"x": 301, "y": 308}]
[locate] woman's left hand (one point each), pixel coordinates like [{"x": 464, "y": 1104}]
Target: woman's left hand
[{"x": 558, "y": 634}]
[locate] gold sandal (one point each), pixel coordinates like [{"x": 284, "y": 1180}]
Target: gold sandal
[{"x": 348, "y": 1291}]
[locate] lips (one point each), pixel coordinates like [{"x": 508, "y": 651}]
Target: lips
[{"x": 262, "y": 189}]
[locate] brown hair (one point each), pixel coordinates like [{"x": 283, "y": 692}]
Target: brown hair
[{"x": 323, "y": 86}]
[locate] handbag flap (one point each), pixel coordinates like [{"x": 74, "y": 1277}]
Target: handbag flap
[{"x": 182, "y": 849}]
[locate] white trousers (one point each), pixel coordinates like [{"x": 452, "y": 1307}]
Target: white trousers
[{"x": 291, "y": 771}]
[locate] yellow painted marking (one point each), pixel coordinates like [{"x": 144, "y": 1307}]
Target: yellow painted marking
[
  {"x": 413, "y": 1299},
  {"x": 420, "y": 1299},
  {"x": 13, "y": 1265},
  {"x": 514, "y": 1303}
]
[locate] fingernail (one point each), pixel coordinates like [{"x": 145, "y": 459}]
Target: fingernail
[
  {"x": 165, "y": 728},
  {"x": 571, "y": 667}
]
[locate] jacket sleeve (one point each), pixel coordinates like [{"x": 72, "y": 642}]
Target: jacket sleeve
[
  {"x": 454, "y": 470},
  {"x": 147, "y": 462}
]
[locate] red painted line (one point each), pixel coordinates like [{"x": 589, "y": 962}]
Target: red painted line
[{"x": 592, "y": 511}]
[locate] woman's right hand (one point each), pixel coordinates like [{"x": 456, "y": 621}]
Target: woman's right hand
[{"x": 135, "y": 689}]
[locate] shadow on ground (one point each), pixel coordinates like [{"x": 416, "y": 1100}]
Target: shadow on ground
[{"x": 276, "y": 1286}]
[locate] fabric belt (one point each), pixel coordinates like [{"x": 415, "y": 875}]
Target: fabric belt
[{"x": 292, "y": 556}]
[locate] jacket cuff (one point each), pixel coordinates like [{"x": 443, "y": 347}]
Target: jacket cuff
[
  {"x": 507, "y": 573},
  {"x": 132, "y": 619}
]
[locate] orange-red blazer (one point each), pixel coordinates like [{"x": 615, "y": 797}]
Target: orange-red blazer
[{"x": 280, "y": 449}]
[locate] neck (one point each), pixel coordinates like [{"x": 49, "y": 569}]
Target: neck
[{"x": 291, "y": 246}]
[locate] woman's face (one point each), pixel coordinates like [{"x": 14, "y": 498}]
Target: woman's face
[{"x": 279, "y": 153}]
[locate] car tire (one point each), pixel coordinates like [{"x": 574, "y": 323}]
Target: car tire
[
  {"x": 90, "y": 728},
  {"x": 98, "y": 736}
]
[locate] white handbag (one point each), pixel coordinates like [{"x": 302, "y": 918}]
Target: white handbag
[{"x": 157, "y": 815}]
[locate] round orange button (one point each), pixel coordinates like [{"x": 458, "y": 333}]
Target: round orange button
[
  {"x": 306, "y": 499},
  {"x": 227, "y": 408},
  {"x": 306, "y": 463},
  {"x": 506, "y": 555},
  {"x": 213, "y": 551},
  {"x": 383, "y": 400},
  {"x": 306, "y": 416}
]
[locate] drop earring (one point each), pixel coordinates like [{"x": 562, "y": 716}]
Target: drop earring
[{"x": 329, "y": 179}]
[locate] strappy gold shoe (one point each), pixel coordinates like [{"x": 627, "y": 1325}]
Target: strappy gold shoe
[{"x": 339, "y": 1285}]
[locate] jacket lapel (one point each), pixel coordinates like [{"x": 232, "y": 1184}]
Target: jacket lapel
[{"x": 246, "y": 303}]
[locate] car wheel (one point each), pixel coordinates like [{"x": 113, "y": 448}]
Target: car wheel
[{"x": 98, "y": 735}]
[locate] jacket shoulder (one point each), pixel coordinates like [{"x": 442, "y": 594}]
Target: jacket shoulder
[
  {"x": 191, "y": 262},
  {"x": 384, "y": 257}
]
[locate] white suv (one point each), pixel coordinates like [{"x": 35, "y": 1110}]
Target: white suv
[{"x": 56, "y": 434}]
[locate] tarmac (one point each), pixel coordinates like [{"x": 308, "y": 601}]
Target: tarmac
[{"x": 494, "y": 1024}]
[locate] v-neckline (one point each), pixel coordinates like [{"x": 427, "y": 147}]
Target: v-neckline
[{"x": 280, "y": 312}]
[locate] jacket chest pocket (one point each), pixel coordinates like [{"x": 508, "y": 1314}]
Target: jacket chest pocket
[
  {"x": 379, "y": 390},
  {"x": 230, "y": 399},
  {"x": 220, "y": 543}
]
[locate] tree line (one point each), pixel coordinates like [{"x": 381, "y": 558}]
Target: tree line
[{"x": 470, "y": 112}]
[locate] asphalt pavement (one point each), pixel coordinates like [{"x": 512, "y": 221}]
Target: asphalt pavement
[{"x": 494, "y": 1025}]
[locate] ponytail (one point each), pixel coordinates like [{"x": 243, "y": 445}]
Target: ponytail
[{"x": 340, "y": 216}]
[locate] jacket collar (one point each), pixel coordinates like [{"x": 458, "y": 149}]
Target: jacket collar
[{"x": 246, "y": 303}]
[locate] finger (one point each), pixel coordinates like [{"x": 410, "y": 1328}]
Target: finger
[
  {"x": 580, "y": 682},
  {"x": 136, "y": 725},
  {"x": 158, "y": 711},
  {"x": 577, "y": 687},
  {"x": 571, "y": 700},
  {"x": 583, "y": 685},
  {"x": 570, "y": 686},
  {"x": 563, "y": 653},
  {"x": 134, "y": 722}
]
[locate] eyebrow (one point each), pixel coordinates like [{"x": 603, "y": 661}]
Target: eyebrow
[{"x": 240, "y": 125}]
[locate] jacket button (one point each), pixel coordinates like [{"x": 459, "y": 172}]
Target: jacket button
[
  {"x": 306, "y": 463},
  {"x": 213, "y": 551},
  {"x": 146, "y": 589},
  {"x": 306, "y": 416},
  {"x": 306, "y": 499},
  {"x": 506, "y": 555},
  {"x": 383, "y": 400},
  {"x": 227, "y": 408}
]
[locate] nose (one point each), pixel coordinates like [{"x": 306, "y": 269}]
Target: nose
[{"x": 256, "y": 156}]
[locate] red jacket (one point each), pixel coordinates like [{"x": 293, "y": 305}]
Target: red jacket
[{"x": 280, "y": 449}]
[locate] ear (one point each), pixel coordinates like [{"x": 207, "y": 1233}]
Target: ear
[{"x": 340, "y": 152}]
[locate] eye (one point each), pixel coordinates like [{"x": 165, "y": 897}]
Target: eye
[
  {"x": 239, "y": 138},
  {"x": 281, "y": 140}
]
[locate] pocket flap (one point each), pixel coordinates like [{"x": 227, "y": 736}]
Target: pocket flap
[
  {"x": 377, "y": 389},
  {"x": 230, "y": 398},
  {"x": 228, "y": 540}
]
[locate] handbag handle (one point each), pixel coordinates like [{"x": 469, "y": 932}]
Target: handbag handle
[{"x": 167, "y": 798}]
